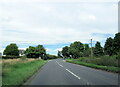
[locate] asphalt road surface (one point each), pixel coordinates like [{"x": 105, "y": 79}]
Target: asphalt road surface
[{"x": 59, "y": 72}]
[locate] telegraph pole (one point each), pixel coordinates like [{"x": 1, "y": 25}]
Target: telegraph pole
[{"x": 91, "y": 49}]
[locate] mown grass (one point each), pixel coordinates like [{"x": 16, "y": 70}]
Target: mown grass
[
  {"x": 16, "y": 73},
  {"x": 99, "y": 63}
]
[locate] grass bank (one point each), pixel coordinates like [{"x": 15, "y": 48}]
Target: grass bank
[
  {"x": 104, "y": 64},
  {"x": 16, "y": 72}
]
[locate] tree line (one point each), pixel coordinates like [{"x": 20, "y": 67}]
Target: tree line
[
  {"x": 75, "y": 50},
  {"x": 78, "y": 49},
  {"x": 12, "y": 51}
]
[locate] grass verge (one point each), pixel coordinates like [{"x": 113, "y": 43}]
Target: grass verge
[
  {"x": 107, "y": 68},
  {"x": 18, "y": 73}
]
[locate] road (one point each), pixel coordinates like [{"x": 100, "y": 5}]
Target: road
[{"x": 59, "y": 72}]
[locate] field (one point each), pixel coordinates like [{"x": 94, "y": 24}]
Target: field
[
  {"x": 104, "y": 62},
  {"x": 17, "y": 71}
]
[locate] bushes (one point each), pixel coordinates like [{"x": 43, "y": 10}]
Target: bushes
[
  {"x": 118, "y": 56},
  {"x": 48, "y": 56},
  {"x": 93, "y": 65},
  {"x": 10, "y": 57},
  {"x": 103, "y": 60}
]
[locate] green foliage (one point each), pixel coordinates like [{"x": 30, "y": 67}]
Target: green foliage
[
  {"x": 40, "y": 50},
  {"x": 102, "y": 60},
  {"x": 109, "y": 46},
  {"x": 11, "y": 50},
  {"x": 35, "y": 52},
  {"x": 59, "y": 53},
  {"x": 10, "y": 57},
  {"x": 107, "y": 68},
  {"x": 98, "y": 50},
  {"x": 48, "y": 56},
  {"x": 20, "y": 71},
  {"x": 112, "y": 46},
  {"x": 86, "y": 52},
  {"x": 76, "y": 49},
  {"x": 117, "y": 43},
  {"x": 86, "y": 47},
  {"x": 65, "y": 51}
]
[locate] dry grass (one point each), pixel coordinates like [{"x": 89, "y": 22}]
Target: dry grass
[
  {"x": 16, "y": 71},
  {"x": 14, "y": 61}
]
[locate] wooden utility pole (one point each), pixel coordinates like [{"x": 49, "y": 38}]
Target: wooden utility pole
[{"x": 91, "y": 49}]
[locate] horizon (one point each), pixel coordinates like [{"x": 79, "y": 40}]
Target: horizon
[{"x": 55, "y": 24}]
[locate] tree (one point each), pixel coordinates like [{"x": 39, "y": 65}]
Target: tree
[
  {"x": 40, "y": 51},
  {"x": 35, "y": 52},
  {"x": 59, "y": 53},
  {"x": 31, "y": 52},
  {"x": 86, "y": 52},
  {"x": 117, "y": 43},
  {"x": 48, "y": 56},
  {"x": 98, "y": 50},
  {"x": 86, "y": 47},
  {"x": 76, "y": 49},
  {"x": 65, "y": 51},
  {"x": 109, "y": 46},
  {"x": 11, "y": 50}
]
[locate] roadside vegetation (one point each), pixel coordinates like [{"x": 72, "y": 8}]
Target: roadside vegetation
[
  {"x": 99, "y": 57},
  {"x": 104, "y": 62},
  {"x": 17, "y": 71},
  {"x": 18, "y": 66}
]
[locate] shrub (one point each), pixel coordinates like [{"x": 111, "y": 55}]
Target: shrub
[
  {"x": 103, "y": 60},
  {"x": 10, "y": 57}
]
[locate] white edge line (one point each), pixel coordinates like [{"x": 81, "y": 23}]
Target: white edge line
[{"x": 73, "y": 74}]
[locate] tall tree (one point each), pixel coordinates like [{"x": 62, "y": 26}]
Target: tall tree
[
  {"x": 11, "y": 50},
  {"x": 59, "y": 54},
  {"x": 86, "y": 47},
  {"x": 109, "y": 46},
  {"x": 76, "y": 49},
  {"x": 35, "y": 52},
  {"x": 86, "y": 52},
  {"x": 98, "y": 50},
  {"x": 40, "y": 51},
  {"x": 117, "y": 43},
  {"x": 31, "y": 52},
  {"x": 65, "y": 51}
]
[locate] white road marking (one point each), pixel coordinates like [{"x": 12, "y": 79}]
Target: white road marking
[
  {"x": 59, "y": 64},
  {"x": 73, "y": 74},
  {"x": 69, "y": 71}
]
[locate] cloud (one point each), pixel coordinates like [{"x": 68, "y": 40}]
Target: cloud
[
  {"x": 57, "y": 21},
  {"x": 53, "y": 51},
  {"x": 31, "y": 1}
]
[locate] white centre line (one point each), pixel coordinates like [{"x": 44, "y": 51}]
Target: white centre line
[
  {"x": 73, "y": 74},
  {"x": 59, "y": 64},
  {"x": 69, "y": 71}
]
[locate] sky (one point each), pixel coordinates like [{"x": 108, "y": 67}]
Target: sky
[{"x": 56, "y": 23}]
